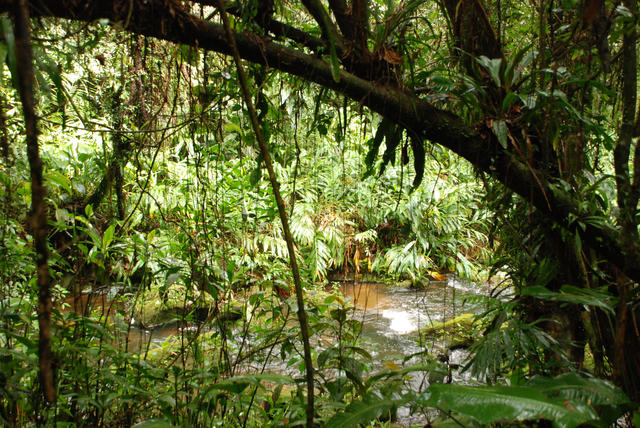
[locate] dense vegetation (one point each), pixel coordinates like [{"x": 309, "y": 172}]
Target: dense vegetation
[{"x": 214, "y": 166}]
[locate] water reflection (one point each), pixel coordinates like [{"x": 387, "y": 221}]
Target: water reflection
[
  {"x": 113, "y": 313},
  {"x": 400, "y": 310},
  {"x": 401, "y": 322},
  {"x": 391, "y": 321},
  {"x": 392, "y": 316}
]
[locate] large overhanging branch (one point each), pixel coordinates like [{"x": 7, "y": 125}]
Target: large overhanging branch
[
  {"x": 320, "y": 15},
  {"x": 169, "y": 21},
  {"x": 277, "y": 28}
]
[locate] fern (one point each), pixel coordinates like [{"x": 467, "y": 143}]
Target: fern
[
  {"x": 508, "y": 346},
  {"x": 303, "y": 228},
  {"x": 367, "y": 236},
  {"x": 334, "y": 239},
  {"x": 318, "y": 259},
  {"x": 276, "y": 246},
  {"x": 407, "y": 260}
]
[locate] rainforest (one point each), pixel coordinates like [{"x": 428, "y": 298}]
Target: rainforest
[{"x": 325, "y": 213}]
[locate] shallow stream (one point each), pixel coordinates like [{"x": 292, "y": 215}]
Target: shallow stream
[
  {"x": 391, "y": 321},
  {"x": 393, "y": 316}
]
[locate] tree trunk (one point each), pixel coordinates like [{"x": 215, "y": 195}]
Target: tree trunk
[{"x": 38, "y": 214}]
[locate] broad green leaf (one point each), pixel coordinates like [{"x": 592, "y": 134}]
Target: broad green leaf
[
  {"x": 232, "y": 127},
  {"x": 611, "y": 402},
  {"x": 499, "y": 128},
  {"x": 599, "y": 298},
  {"x": 326, "y": 355},
  {"x": 363, "y": 352},
  {"x": 59, "y": 180},
  {"x": 107, "y": 237},
  {"x": 338, "y": 314},
  {"x": 493, "y": 68},
  {"x": 231, "y": 269},
  {"x": 488, "y": 404},
  {"x": 90, "y": 228},
  {"x": 517, "y": 64},
  {"x": 510, "y": 99},
  {"x": 596, "y": 392},
  {"x": 238, "y": 384},
  {"x": 361, "y": 412},
  {"x": 168, "y": 399}
]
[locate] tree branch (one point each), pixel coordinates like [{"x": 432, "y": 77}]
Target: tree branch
[
  {"x": 339, "y": 9},
  {"x": 329, "y": 31},
  {"x": 154, "y": 18},
  {"x": 280, "y": 29},
  {"x": 275, "y": 27}
]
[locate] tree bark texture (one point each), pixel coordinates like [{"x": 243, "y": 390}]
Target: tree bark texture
[
  {"x": 38, "y": 214},
  {"x": 625, "y": 352},
  {"x": 474, "y": 34}
]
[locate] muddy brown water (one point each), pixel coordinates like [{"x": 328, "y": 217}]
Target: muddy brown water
[
  {"x": 391, "y": 321},
  {"x": 391, "y": 318},
  {"x": 112, "y": 311}
]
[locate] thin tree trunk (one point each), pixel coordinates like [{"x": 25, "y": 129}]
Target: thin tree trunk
[
  {"x": 302, "y": 316},
  {"x": 120, "y": 150},
  {"x": 38, "y": 215},
  {"x": 623, "y": 149},
  {"x": 624, "y": 354},
  {"x": 4, "y": 139}
]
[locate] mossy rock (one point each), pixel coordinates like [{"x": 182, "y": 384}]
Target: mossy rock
[
  {"x": 155, "y": 308},
  {"x": 407, "y": 283},
  {"x": 457, "y": 331}
]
